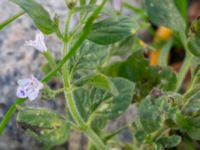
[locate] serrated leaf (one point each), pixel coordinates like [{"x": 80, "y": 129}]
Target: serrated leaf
[
  {"x": 165, "y": 13},
  {"x": 110, "y": 30},
  {"x": 43, "y": 124},
  {"x": 169, "y": 142},
  {"x": 39, "y": 15}
]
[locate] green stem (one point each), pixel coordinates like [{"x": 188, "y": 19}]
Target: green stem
[
  {"x": 84, "y": 34},
  {"x": 186, "y": 64},
  {"x": 50, "y": 58},
  {"x": 11, "y": 19},
  {"x": 164, "y": 55},
  {"x": 184, "y": 70},
  {"x": 67, "y": 25},
  {"x": 9, "y": 114},
  {"x": 156, "y": 135},
  {"x": 70, "y": 99},
  {"x": 96, "y": 141}
]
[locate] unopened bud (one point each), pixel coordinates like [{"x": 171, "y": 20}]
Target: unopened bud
[{"x": 71, "y": 3}]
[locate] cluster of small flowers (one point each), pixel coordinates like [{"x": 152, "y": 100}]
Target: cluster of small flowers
[{"x": 30, "y": 88}]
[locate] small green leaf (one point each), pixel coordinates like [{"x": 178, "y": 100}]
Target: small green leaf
[
  {"x": 125, "y": 46},
  {"x": 194, "y": 44},
  {"x": 165, "y": 13},
  {"x": 98, "y": 80},
  {"x": 102, "y": 104},
  {"x": 169, "y": 142},
  {"x": 193, "y": 40},
  {"x": 189, "y": 125},
  {"x": 39, "y": 15},
  {"x": 110, "y": 30},
  {"x": 90, "y": 56},
  {"x": 155, "y": 109},
  {"x": 43, "y": 124}
]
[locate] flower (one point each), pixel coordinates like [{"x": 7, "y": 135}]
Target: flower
[
  {"x": 29, "y": 88},
  {"x": 117, "y": 4},
  {"x": 38, "y": 43}
]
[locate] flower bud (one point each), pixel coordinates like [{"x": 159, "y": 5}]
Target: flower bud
[{"x": 71, "y": 3}]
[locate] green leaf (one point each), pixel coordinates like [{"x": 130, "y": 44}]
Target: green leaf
[
  {"x": 110, "y": 30},
  {"x": 192, "y": 107},
  {"x": 90, "y": 56},
  {"x": 39, "y": 15},
  {"x": 194, "y": 44},
  {"x": 169, "y": 142},
  {"x": 43, "y": 124},
  {"x": 183, "y": 8},
  {"x": 98, "y": 80},
  {"x": 11, "y": 19},
  {"x": 91, "y": 8},
  {"x": 125, "y": 46},
  {"x": 137, "y": 69},
  {"x": 165, "y": 13},
  {"x": 155, "y": 109},
  {"x": 98, "y": 103},
  {"x": 189, "y": 125}
]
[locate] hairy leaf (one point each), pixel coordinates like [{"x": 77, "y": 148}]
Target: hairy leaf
[
  {"x": 39, "y": 15},
  {"x": 43, "y": 124},
  {"x": 169, "y": 142},
  {"x": 155, "y": 109},
  {"x": 100, "y": 103},
  {"x": 90, "y": 56},
  {"x": 165, "y": 13},
  {"x": 110, "y": 30}
]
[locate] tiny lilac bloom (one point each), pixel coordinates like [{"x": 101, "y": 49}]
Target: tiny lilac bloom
[
  {"x": 38, "y": 43},
  {"x": 117, "y": 4},
  {"x": 29, "y": 88}
]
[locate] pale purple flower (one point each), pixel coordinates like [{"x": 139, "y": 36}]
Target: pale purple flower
[
  {"x": 29, "y": 88},
  {"x": 117, "y": 4},
  {"x": 38, "y": 43}
]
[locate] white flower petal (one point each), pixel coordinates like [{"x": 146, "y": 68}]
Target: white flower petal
[
  {"x": 29, "y": 88},
  {"x": 21, "y": 93},
  {"x": 33, "y": 95},
  {"x": 38, "y": 43},
  {"x": 23, "y": 82},
  {"x": 37, "y": 83}
]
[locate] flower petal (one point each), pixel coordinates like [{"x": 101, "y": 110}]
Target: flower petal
[
  {"x": 23, "y": 82},
  {"x": 37, "y": 83},
  {"x": 21, "y": 93},
  {"x": 38, "y": 43},
  {"x": 33, "y": 95}
]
